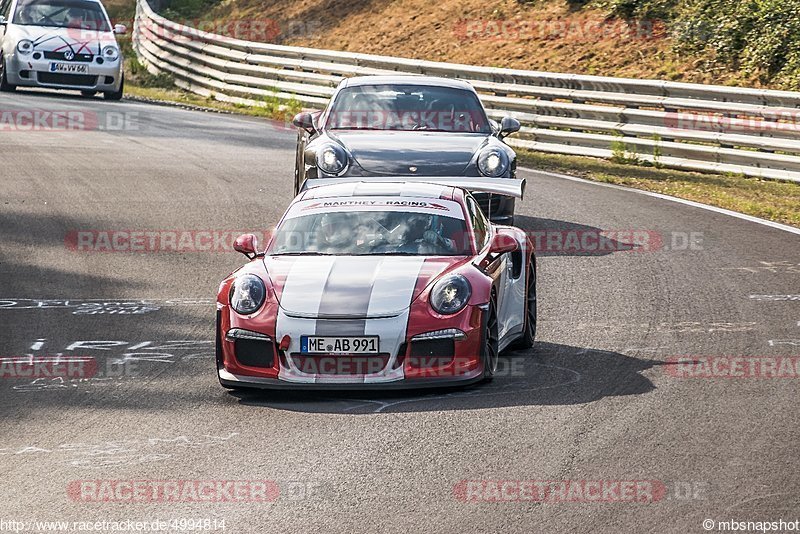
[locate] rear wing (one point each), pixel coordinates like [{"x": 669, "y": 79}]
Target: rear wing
[{"x": 512, "y": 187}]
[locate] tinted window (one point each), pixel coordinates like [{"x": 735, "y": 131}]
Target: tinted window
[
  {"x": 372, "y": 232},
  {"x": 5, "y": 8},
  {"x": 407, "y": 107},
  {"x": 76, "y": 14},
  {"x": 479, "y": 223}
]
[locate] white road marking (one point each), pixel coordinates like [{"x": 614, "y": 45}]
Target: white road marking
[{"x": 771, "y": 224}]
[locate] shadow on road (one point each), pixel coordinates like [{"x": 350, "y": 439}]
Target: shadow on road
[
  {"x": 552, "y": 237},
  {"x": 549, "y": 374}
]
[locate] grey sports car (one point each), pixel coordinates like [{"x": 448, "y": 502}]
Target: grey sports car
[
  {"x": 60, "y": 44},
  {"x": 406, "y": 126}
]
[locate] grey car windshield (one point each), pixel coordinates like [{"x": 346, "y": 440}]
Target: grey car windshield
[
  {"x": 372, "y": 232},
  {"x": 75, "y": 14},
  {"x": 407, "y": 107}
]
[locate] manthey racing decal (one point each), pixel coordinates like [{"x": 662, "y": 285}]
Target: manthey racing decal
[{"x": 446, "y": 208}]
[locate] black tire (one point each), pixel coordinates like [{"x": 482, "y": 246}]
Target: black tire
[
  {"x": 529, "y": 334},
  {"x": 491, "y": 343},
  {"x": 4, "y": 85},
  {"x": 115, "y": 96}
]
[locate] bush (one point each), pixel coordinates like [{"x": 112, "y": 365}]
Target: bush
[
  {"x": 760, "y": 38},
  {"x": 137, "y": 74}
]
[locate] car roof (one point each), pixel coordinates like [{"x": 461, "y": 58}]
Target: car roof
[
  {"x": 384, "y": 189},
  {"x": 407, "y": 79}
]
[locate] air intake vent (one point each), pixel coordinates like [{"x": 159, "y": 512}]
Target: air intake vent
[
  {"x": 255, "y": 353},
  {"x": 73, "y": 80}
]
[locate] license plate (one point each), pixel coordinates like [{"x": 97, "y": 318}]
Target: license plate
[
  {"x": 339, "y": 345},
  {"x": 69, "y": 68}
]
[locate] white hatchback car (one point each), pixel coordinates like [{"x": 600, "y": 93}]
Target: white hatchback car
[{"x": 60, "y": 44}]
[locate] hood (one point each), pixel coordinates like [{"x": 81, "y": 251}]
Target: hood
[
  {"x": 393, "y": 152},
  {"x": 352, "y": 286},
  {"x": 48, "y": 39}
]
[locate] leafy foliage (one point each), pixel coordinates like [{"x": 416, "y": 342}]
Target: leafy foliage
[{"x": 758, "y": 37}]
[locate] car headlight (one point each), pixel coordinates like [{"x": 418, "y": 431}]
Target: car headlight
[
  {"x": 25, "y": 47},
  {"x": 449, "y": 295},
  {"x": 110, "y": 52},
  {"x": 247, "y": 294},
  {"x": 331, "y": 158},
  {"x": 493, "y": 162}
]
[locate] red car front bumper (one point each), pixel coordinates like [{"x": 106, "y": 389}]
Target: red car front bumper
[{"x": 451, "y": 356}]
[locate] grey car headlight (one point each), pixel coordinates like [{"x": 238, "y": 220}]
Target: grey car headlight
[
  {"x": 25, "y": 46},
  {"x": 331, "y": 159},
  {"x": 110, "y": 52},
  {"x": 449, "y": 295},
  {"x": 247, "y": 294},
  {"x": 492, "y": 162}
]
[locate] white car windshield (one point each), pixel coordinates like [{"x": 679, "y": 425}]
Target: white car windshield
[
  {"x": 75, "y": 14},
  {"x": 372, "y": 233}
]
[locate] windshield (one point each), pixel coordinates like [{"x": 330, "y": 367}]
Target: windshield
[
  {"x": 76, "y": 14},
  {"x": 407, "y": 107},
  {"x": 372, "y": 232}
]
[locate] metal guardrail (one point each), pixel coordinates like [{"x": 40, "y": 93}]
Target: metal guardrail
[{"x": 721, "y": 129}]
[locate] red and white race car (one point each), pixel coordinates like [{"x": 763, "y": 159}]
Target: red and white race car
[{"x": 376, "y": 284}]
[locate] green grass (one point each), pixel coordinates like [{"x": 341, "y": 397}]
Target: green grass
[
  {"x": 769, "y": 199},
  {"x": 140, "y": 83},
  {"x": 283, "y": 111}
]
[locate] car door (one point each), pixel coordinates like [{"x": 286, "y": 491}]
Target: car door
[
  {"x": 508, "y": 273},
  {"x": 496, "y": 269},
  {"x": 511, "y": 314}
]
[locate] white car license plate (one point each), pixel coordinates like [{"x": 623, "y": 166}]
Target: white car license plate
[
  {"x": 339, "y": 345},
  {"x": 70, "y": 68}
]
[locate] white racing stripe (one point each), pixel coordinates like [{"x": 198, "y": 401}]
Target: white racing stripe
[
  {"x": 305, "y": 284},
  {"x": 385, "y": 288},
  {"x": 394, "y": 285}
]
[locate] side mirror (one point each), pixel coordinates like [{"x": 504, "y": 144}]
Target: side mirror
[
  {"x": 508, "y": 126},
  {"x": 502, "y": 243},
  {"x": 305, "y": 121},
  {"x": 120, "y": 29},
  {"x": 3, "y": 20},
  {"x": 247, "y": 244}
]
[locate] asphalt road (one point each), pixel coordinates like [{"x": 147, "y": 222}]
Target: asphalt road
[{"x": 597, "y": 399}]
